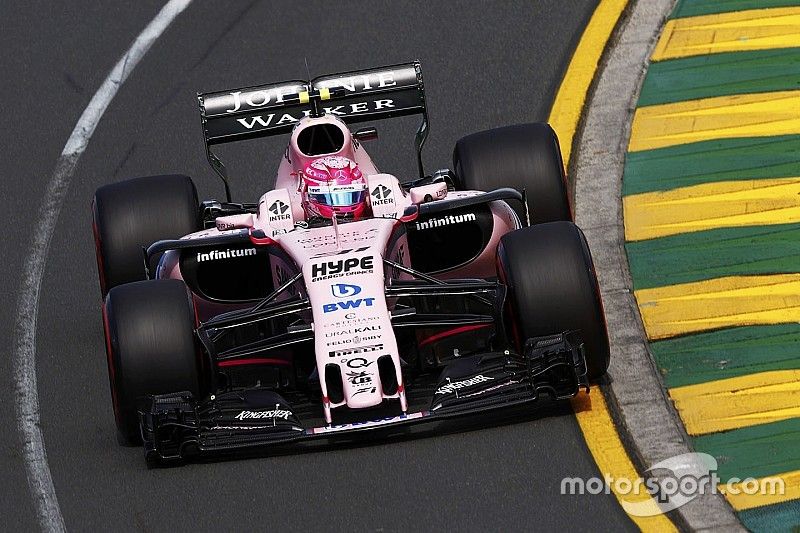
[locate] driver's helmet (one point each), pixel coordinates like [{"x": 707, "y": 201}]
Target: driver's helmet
[{"x": 334, "y": 185}]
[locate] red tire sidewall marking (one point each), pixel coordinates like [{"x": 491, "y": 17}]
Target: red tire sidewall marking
[
  {"x": 112, "y": 373},
  {"x": 508, "y": 308},
  {"x": 99, "y": 254}
]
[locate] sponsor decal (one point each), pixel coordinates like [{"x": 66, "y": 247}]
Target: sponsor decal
[
  {"x": 368, "y": 338},
  {"x": 453, "y": 386},
  {"x": 340, "y": 252},
  {"x": 359, "y": 377},
  {"x": 245, "y": 428},
  {"x": 347, "y": 304},
  {"x": 258, "y": 120},
  {"x": 484, "y": 391},
  {"x": 252, "y": 99},
  {"x": 361, "y": 82},
  {"x": 350, "y": 321},
  {"x": 343, "y": 290},
  {"x": 344, "y": 237},
  {"x": 358, "y": 362},
  {"x": 342, "y": 267},
  {"x": 352, "y": 331},
  {"x": 382, "y": 195},
  {"x": 277, "y": 119},
  {"x": 273, "y": 413},
  {"x": 225, "y": 226},
  {"x": 335, "y": 189},
  {"x": 260, "y": 98},
  {"x": 278, "y": 211},
  {"x": 367, "y": 423},
  {"x": 214, "y": 255},
  {"x": 445, "y": 221},
  {"x": 355, "y": 340},
  {"x": 356, "y": 350},
  {"x": 340, "y": 342},
  {"x": 493, "y": 388}
]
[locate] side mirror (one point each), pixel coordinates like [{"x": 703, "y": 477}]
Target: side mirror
[
  {"x": 366, "y": 134},
  {"x": 410, "y": 214}
]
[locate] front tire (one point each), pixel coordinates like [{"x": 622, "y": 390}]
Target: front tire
[
  {"x": 135, "y": 213},
  {"x": 552, "y": 287},
  {"x": 523, "y": 156},
  {"x": 151, "y": 348}
]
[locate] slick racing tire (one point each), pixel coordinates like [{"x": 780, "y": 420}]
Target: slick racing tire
[
  {"x": 135, "y": 213},
  {"x": 552, "y": 287},
  {"x": 151, "y": 348},
  {"x": 523, "y": 156}
]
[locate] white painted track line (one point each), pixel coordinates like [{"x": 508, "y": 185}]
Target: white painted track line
[{"x": 26, "y": 395}]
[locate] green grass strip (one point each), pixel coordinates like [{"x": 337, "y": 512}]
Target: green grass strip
[
  {"x": 778, "y": 518},
  {"x": 714, "y": 253},
  {"x": 692, "y": 78},
  {"x": 709, "y": 161},
  {"x": 727, "y": 353},
  {"x": 693, "y": 8}
]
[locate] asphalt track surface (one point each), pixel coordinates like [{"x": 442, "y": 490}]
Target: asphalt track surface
[{"x": 484, "y": 65}]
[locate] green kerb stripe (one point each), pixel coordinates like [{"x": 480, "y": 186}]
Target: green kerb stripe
[
  {"x": 778, "y": 518},
  {"x": 693, "y": 8},
  {"x": 727, "y": 353},
  {"x": 756, "y": 451},
  {"x": 709, "y": 161},
  {"x": 714, "y": 253},
  {"x": 765, "y": 449},
  {"x": 692, "y": 78}
]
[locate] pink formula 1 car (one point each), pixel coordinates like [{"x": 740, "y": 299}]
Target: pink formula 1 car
[{"x": 345, "y": 300}]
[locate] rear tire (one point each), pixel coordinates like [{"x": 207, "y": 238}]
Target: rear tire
[
  {"x": 552, "y": 287},
  {"x": 151, "y": 347},
  {"x": 523, "y": 156},
  {"x": 135, "y": 213}
]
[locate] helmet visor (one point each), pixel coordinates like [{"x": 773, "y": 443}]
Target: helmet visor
[{"x": 337, "y": 195}]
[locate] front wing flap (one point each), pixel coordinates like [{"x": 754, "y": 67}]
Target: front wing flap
[{"x": 177, "y": 427}]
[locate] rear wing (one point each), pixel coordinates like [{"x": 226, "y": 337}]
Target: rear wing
[{"x": 357, "y": 96}]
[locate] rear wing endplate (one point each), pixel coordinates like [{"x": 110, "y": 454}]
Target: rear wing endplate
[{"x": 358, "y": 96}]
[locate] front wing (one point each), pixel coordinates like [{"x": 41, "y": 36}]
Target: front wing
[{"x": 178, "y": 428}]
